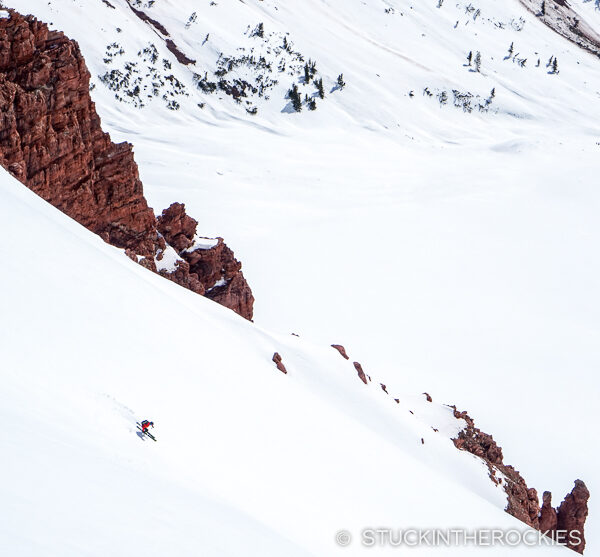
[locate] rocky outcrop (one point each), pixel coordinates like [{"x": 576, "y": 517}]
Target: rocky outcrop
[
  {"x": 564, "y": 20},
  {"x": 548, "y": 518},
  {"x": 341, "y": 350},
  {"x": 209, "y": 260},
  {"x": 571, "y": 516},
  {"x": 177, "y": 228},
  {"x": 522, "y": 501},
  {"x": 146, "y": 18},
  {"x": 220, "y": 272},
  {"x": 181, "y": 57},
  {"x": 181, "y": 275},
  {"x": 279, "y": 362},
  {"x": 473, "y": 440},
  {"x": 360, "y": 372},
  {"x": 565, "y": 524},
  {"x": 51, "y": 140}
]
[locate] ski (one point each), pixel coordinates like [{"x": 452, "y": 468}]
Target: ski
[{"x": 146, "y": 432}]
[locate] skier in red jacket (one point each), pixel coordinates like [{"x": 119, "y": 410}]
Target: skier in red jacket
[{"x": 145, "y": 425}]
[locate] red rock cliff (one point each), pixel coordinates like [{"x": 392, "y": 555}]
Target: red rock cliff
[
  {"x": 565, "y": 524},
  {"x": 51, "y": 140},
  {"x": 571, "y": 516},
  {"x": 215, "y": 268}
]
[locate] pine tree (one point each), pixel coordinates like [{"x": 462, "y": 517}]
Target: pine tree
[
  {"x": 286, "y": 45},
  {"x": 543, "y": 9},
  {"x": 320, "y": 88},
  {"x": 470, "y": 57},
  {"x": 478, "y": 62},
  {"x": 294, "y": 96},
  {"x": 306, "y": 73},
  {"x": 340, "y": 81},
  {"x": 555, "y": 66},
  {"x": 312, "y": 104}
]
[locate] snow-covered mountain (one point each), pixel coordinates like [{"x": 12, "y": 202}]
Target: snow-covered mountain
[{"x": 437, "y": 215}]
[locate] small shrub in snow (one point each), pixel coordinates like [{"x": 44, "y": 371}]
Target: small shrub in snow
[
  {"x": 259, "y": 31},
  {"x": 204, "y": 84},
  {"x": 511, "y": 50},
  {"x": 138, "y": 80},
  {"x": 192, "y": 19}
]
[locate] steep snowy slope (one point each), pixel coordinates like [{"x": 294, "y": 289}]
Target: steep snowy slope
[
  {"x": 249, "y": 461},
  {"x": 449, "y": 250}
]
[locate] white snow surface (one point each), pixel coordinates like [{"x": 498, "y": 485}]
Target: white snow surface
[
  {"x": 202, "y": 243},
  {"x": 460, "y": 256},
  {"x": 168, "y": 261},
  {"x": 248, "y": 461}
]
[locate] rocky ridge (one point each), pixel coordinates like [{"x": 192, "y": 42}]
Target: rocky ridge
[
  {"x": 564, "y": 20},
  {"x": 564, "y": 524}
]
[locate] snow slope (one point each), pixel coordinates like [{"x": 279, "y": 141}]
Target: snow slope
[
  {"x": 248, "y": 461},
  {"x": 452, "y": 252}
]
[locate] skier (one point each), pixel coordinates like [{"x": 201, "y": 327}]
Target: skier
[{"x": 145, "y": 425}]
